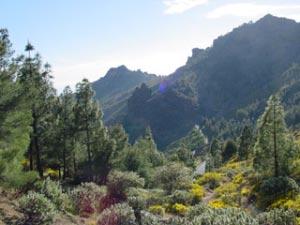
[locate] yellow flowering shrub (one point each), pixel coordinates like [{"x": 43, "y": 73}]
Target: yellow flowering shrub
[
  {"x": 25, "y": 163},
  {"x": 245, "y": 191},
  {"x": 226, "y": 188},
  {"x": 217, "y": 204},
  {"x": 238, "y": 179},
  {"x": 287, "y": 203},
  {"x": 51, "y": 173},
  {"x": 157, "y": 209},
  {"x": 293, "y": 204},
  {"x": 209, "y": 178},
  {"x": 180, "y": 209},
  {"x": 198, "y": 191}
]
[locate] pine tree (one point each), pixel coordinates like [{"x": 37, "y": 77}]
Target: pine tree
[
  {"x": 66, "y": 129},
  {"x": 118, "y": 134},
  {"x": 246, "y": 141},
  {"x": 14, "y": 118},
  {"x": 37, "y": 87},
  {"x": 148, "y": 148},
  {"x": 230, "y": 149},
  {"x": 274, "y": 148},
  {"x": 89, "y": 125},
  {"x": 215, "y": 151}
]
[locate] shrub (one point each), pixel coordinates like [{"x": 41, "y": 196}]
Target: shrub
[
  {"x": 118, "y": 214},
  {"x": 173, "y": 176},
  {"x": 86, "y": 198},
  {"x": 212, "y": 179},
  {"x": 277, "y": 187},
  {"x": 217, "y": 204},
  {"x": 277, "y": 217},
  {"x": 288, "y": 203},
  {"x": 150, "y": 219},
  {"x": 37, "y": 209},
  {"x": 53, "y": 191},
  {"x": 245, "y": 191},
  {"x": 295, "y": 169},
  {"x": 155, "y": 197},
  {"x": 182, "y": 197},
  {"x": 54, "y": 174},
  {"x": 198, "y": 192},
  {"x": 179, "y": 209},
  {"x": 238, "y": 179},
  {"x": 230, "y": 216},
  {"x": 227, "y": 188},
  {"x": 230, "y": 150},
  {"x": 196, "y": 211},
  {"x": 157, "y": 210},
  {"x": 119, "y": 182}
]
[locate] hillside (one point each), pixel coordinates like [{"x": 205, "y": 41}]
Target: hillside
[
  {"x": 114, "y": 89},
  {"x": 252, "y": 57}
]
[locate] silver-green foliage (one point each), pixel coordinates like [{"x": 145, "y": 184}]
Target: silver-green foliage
[
  {"x": 121, "y": 214},
  {"x": 277, "y": 217},
  {"x": 37, "y": 208}
]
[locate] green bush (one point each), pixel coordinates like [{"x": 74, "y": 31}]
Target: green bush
[
  {"x": 156, "y": 197},
  {"x": 119, "y": 182},
  {"x": 228, "y": 216},
  {"x": 120, "y": 214},
  {"x": 275, "y": 187},
  {"x": 173, "y": 176},
  {"x": 277, "y": 217},
  {"x": 157, "y": 210},
  {"x": 37, "y": 209},
  {"x": 197, "y": 210},
  {"x": 150, "y": 219},
  {"x": 212, "y": 179},
  {"x": 86, "y": 198},
  {"x": 183, "y": 197},
  {"x": 53, "y": 191}
]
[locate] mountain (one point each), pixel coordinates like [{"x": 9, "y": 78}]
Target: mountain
[
  {"x": 114, "y": 89},
  {"x": 232, "y": 79}
]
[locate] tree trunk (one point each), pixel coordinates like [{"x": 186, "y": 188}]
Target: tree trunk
[
  {"x": 64, "y": 160},
  {"x": 59, "y": 172},
  {"x": 36, "y": 145},
  {"x": 276, "y": 172},
  {"x": 30, "y": 151},
  {"x": 74, "y": 163},
  {"x": 88, "y": 145}
]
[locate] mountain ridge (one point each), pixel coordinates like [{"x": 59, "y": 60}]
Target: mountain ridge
[{"x": 250, "y": 57}]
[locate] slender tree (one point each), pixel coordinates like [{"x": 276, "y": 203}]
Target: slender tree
[
  {"x": 66, "y": 128},
  {"x": 246, "y": 141},
  {"x": 274, "y": 148},
  {"x": 37, "y": 87},
  {"x": 88, "y": 118},
  {"x": 14, "y": 117}
]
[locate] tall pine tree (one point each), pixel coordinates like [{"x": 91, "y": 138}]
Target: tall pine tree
[
  {"x": 274, "y": 148},
  {"x": 15, "y": 118},
  {"x": 246, "y": 141},
  {"x": 89, "y": 125},
  {"x": 37, "y": 87}
]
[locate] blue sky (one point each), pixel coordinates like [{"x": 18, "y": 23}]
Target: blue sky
[{"x": 84, "y": 38}]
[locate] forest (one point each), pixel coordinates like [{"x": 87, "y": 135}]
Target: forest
[{"x": 60, "y": 163}]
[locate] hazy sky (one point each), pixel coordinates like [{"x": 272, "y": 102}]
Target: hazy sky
[{"x": 84, "y": 38}]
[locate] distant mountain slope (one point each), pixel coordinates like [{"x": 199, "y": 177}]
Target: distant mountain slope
[
  {"x": 116, "y": 86},
  {"x": 231, "y": 79}
]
